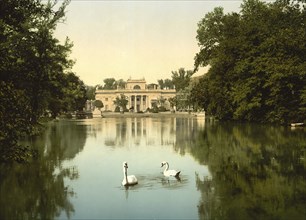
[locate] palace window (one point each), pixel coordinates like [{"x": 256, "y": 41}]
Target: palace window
[{"x": 136, "y": 87}]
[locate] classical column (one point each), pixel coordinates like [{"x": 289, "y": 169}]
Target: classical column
[
  {"x": 141, "y": 103},
  {"x": 147, "y": 102},
  {"x": 135, "y": 103}
]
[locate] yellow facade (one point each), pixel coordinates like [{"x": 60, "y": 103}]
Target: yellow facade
[{"x": 139, "y": 96}]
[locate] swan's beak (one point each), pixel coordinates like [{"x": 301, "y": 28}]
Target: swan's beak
[{"x": 162, "y": 165}]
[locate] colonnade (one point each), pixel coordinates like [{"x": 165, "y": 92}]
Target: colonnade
[{"x": 138, "y": 102}]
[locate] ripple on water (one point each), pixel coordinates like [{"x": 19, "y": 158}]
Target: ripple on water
[{"x": 155, "y": 182}]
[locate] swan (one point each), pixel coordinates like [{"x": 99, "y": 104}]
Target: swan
[
  {"x": 128, "y": 180},
  {"x": 168, "y": 172}
]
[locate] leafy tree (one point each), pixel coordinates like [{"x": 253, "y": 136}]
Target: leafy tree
[
  {"x": 181, "y": 78},
  {"x": 197, "y": 95},
  {"x": 69, "y": 95},
  {"x": 182, "y": 99},
  {"x": 161, "y": 83},
  {"x": 98, "y": 86},
  {"x": 168, "y": 84},
  {"x": 99, "y": 104},
  {"x": 90, "y": 92},
  {"x": 120, "y": 84},
  {"x": 161, "y": 101},
  {"x": 121, "y": 102},
  {"x": 165, "y": 84},
  {"x": 112, "y": 83},
  {"x": 109, "y": 83},
  {"x": 32, "y": 64},
  {"x": 173, "y": 101},
  {"x": 14, "y": 112},
  {"x": 75, "y": 92},
  {"x": 257, "y": 64}
]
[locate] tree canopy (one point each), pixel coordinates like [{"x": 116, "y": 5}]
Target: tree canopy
[
  {"x": 112, "y": 83},
  {"x": 165, "y": 84},
  {"x": 35, "y": 68},
  {"x": 181, "y": 78},
  {"x": 257, "y": 59},
  {"x": 121, "y": 102}
]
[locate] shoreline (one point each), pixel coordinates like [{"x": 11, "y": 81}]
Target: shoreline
[{"x": 147, "y": 115}]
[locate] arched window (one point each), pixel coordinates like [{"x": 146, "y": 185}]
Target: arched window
[{"x": 136, "y": 87}]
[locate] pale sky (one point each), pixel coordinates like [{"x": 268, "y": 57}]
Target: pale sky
[{"x": 134, "y": 39}]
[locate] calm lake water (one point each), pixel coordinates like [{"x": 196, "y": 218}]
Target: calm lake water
[{"x": 228, "y": 171}]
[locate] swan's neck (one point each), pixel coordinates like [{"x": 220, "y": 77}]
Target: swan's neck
[
  {"x": 167, "y": 167},
  {"x": 125, "y": 173}
]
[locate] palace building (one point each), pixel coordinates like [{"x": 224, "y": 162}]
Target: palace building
[{"x": 140, "y": 96}]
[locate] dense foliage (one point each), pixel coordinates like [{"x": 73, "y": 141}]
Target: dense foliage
[
  {"x": 181, "y": 78},
  {"x": 34, "y": 69},
  {"x": 257, "y": 59},
  {"x": 112, "y": 83},
  {"x": 121, "y": 102},
  {"x": 165, "y": 84}
]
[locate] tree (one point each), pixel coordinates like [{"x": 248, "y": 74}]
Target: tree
[
  {"x": 165, "y": 84},
  {"x": 33, "y": 63},
  {"x": 199, "y": 93},
  {"x": 161, "y": 101},
  {"x": 69, "y": 95},
  {"x": 121, "y": 102},
  {"x": 109, "y": 83},
  {"x": 182, "y": 99},
  {"x": 99, "y": 105},
  {"x": 120, "y": 84},
  {"x": 14, "y": 112},
  {"x": 181, "y": 78},
  {"x": 161, "y": 83},
  {"x": 173, "y": 101},
  {"x": 74, "y": 92},
  {"x": 90, "y": 92},
  {"x": 257, "y": 64}
]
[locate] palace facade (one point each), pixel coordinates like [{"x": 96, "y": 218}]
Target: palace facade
[{"x": 140, "y": 96}]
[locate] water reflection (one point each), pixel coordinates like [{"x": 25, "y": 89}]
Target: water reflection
[
  {"x": 37, "y": 190},
  {"x": 258, "y": 172},
  {"x": 148, "y": 131},
  {"x": 45, "y": 188},
  {"x": 255, "y": 171}
]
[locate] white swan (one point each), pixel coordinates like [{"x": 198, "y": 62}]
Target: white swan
[
  {"x": 168, "y": 172},
  {"x": 128, "y": 180}
]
